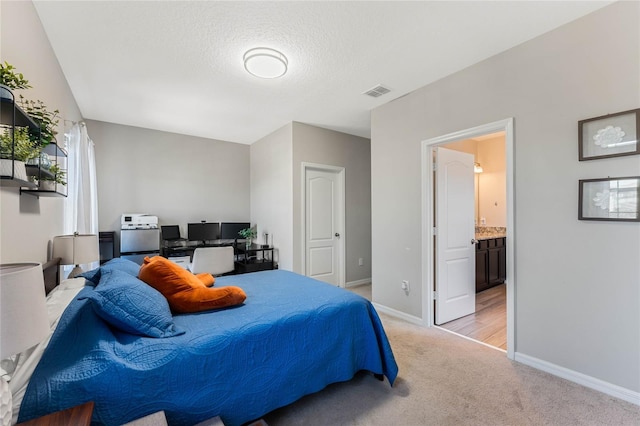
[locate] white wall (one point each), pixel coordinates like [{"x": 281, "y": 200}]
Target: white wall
[
  {"x": 271, "y": 192},
  {"x": 322, "y": 146},
  {"x": 178, "y": 178},
  {"x": 576, "y": 291},
  {"x": 28, "y": 224},
  {"x": 492, "y": 182}
]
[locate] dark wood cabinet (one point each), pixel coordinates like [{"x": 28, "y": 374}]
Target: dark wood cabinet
[
  {"x": 481, "y": 266},
  {"x": 491, "y": 263}
]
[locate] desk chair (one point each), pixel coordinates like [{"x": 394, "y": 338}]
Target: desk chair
[{"x": 214, "y": 260}]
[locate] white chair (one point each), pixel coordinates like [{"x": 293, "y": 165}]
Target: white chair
[{"x": 214, "y": 260}]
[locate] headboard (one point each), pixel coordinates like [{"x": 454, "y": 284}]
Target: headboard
[{"x": 51, "y": 272}]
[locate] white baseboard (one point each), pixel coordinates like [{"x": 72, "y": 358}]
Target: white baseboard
[
  {"x": 582, "y": 379},
  {"x": 398, "y": 314},
  {"x": 357, "y": 282}
]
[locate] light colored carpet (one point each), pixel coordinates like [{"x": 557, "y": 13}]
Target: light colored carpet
[
  {"x": 448, "y": 380},
  {"x": 363, "y": 290}
]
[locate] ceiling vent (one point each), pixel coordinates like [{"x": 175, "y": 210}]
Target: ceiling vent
[{"x": 377, "y": 91}]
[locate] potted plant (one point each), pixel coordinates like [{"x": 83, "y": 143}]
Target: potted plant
[
  {"x": 48, "y": 183},
  {"x": 15, "y": 151},
  {"x": 46, "y": 120},
  {"x": 12, "y": 79},
  {"x": 248, "y": 234}
]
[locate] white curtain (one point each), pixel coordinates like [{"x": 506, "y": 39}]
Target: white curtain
[{"x": 81, "y": 207}]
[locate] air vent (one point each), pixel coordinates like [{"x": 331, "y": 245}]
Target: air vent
[{"x": 377, "y": 91}]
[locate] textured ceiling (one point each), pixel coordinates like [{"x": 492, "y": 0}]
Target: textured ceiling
[{"x": 177, "y": 66}]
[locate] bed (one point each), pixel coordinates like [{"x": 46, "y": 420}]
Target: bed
[{"x": 291, "y": 337}]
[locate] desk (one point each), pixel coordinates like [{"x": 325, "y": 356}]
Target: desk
[
  {"x": 247, "y": 259},
  {"x": 183, "y": 247}
]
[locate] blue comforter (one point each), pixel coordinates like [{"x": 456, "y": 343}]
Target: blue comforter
[{"x": 293, "y": 336}]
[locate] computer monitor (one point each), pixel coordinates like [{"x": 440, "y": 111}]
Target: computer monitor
[
  {"x": 170, "y": 232},
  {"x": 203, "y": 231},
  {"x": 229, "y": 230}
]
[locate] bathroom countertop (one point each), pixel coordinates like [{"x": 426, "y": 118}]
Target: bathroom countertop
[
  {"x": 489, "y": 232},
  {"x": 490, "y": 236}
]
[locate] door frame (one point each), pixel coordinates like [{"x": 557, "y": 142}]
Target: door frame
[
  {"x": 340, "y": 173},
  {"x": 428, "y": 224}
]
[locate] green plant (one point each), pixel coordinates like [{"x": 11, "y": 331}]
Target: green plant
[
  {"x": 59, "y": 175},
  {"x": 248, "y": 233},
  {"x": 25, "y": 147},
  {"x": 46, "y": 120},
  {"x": 12, "y": 79}
]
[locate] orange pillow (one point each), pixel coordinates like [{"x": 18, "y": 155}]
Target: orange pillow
[
  {"x": 183, "y": 290},
  {"x": 206, "y": 279}
]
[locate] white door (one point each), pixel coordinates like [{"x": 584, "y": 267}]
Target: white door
[
  {"x": 324, "y": 218},
  {"x": 454, "y": 235}
]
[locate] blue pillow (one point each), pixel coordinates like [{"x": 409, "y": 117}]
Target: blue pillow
[
  {"x": 132, "y": 306},
  {"x": 118, "y": 263}
]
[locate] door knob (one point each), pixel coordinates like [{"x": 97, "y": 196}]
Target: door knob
[
  {"x": 337, "y": 234},
  {"x": 474, "y": 241}
]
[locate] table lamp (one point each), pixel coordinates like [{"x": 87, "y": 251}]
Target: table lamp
[
  {"x": 76, "y": 249},
  {"x": 23, "y": 319}
]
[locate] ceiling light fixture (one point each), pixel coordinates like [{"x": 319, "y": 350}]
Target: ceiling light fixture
[{"x": 264, "y": 62}]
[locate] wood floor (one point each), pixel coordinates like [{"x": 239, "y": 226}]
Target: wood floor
[{"x": 489, "y": 323}]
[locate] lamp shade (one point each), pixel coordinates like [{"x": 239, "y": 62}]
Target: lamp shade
[
  {"x": 23, "y": 308},
  {"x": 76, "y": 249}
]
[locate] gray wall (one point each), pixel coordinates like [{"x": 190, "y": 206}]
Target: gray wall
[
  {"x": 577, "y": 293},
  {"x": 271, "y": 192},
  {"x": 276, "y": 162},
  {"x": 28, "y": 224},
  {"x": 317, "y": 145},
  {"x": 178, "y": 178}
]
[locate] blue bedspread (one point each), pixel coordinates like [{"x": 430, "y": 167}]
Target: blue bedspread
[{"x": 293, "y": 336}]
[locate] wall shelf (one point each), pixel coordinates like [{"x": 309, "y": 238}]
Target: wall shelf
[
  {"x": 9, "y": 109},
  {"x": 33, "y": 179},
  {"x": 47, "y": 186}
]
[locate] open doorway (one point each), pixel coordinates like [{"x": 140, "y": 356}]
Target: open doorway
[
  {"x": 488, "y": 321},
  {"x": 493, "y": 213}
]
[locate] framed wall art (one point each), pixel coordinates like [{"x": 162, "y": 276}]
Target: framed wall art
[
  {"x": 612, "y": 135},
  {"x": 609, "y": 199}
]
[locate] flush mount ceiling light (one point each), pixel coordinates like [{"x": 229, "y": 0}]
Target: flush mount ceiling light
[{"x": 265, "y": 63}]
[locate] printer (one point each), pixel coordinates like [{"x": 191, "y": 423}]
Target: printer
[
  {"x": 139, "y": 236},
  {"x": 138, "y": 221}
]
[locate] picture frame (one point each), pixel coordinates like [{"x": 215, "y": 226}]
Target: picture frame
[
  {"x": 611, "y": 199},
  {"x": 612, "y": 135}
]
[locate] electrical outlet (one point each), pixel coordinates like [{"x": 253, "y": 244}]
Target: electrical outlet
[
  {"x": 360, "y": 262},
  {"x": 405, "y": 285}
]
